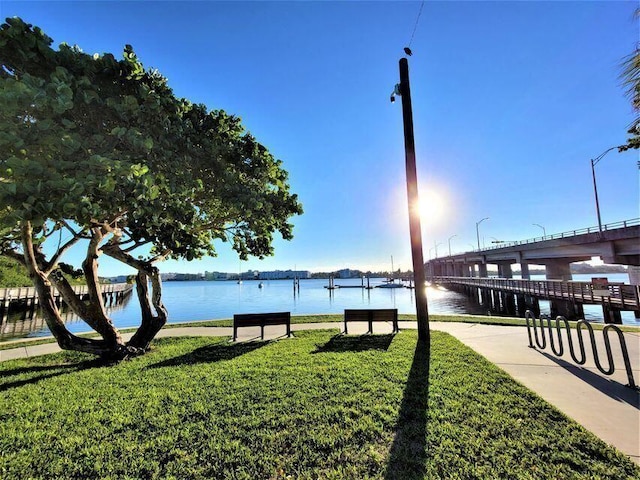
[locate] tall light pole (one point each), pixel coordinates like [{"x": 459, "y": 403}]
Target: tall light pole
[
  {"x": 404, "y": 90},
  {"x": 594, "y": 162},
  {"x": 452, "y": 236},
  {"x": 436, "y": 245},
  {"x": 478, "y": 230},
  {"x": 544, "y": 230}
]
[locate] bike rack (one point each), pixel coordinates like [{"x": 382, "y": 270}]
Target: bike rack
[{"x": 541, "y": 342}]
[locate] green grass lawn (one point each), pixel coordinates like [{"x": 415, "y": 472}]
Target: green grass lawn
[
  {"x": 316, "y": 406},
  {"x": 320, "y": 318}
]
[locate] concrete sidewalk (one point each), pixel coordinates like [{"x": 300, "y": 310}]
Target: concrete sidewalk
[{"x": 602, "y": 404}]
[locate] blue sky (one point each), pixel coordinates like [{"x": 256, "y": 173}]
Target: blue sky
[{"x": 510, "y": 100}]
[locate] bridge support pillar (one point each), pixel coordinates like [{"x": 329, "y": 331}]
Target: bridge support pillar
[
  {"x": 634, "y": 279},
  {"x": 558, "y": 270},
  {"x": 467, "y": 270},
  {"x": 524, "y": 271},
  {"x": 509, "y": 302},
  {"x": 569, "y": 310},
  {"x": 561, "y": 270},
  {"x": 611, "y": 315},
  {"x": 504, "y": 270},
  {"x": 485, "y": 297},
  {"x": 496, "y": 305},
  {"x": 482, "y": 270},
  {"x": 521, "y": 304}
]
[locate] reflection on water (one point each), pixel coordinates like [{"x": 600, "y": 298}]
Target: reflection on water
[{"x": 194, "y": 301}]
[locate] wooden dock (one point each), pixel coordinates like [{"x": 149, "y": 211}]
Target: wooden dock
[
  {"x": 618, "y": 295},
  {"x": 25, "y": 298}
]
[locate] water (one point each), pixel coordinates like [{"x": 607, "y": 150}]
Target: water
[{"x": 200, "y": 300}]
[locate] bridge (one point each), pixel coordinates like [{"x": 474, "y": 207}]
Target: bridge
[{"x": 615, "y": 243}]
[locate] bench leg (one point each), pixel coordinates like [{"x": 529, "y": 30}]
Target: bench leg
[
  {"x": 370, "y": 332},
  {"x": 396, "y": 328},
  {"x": 289, "y": 330},
  {"x": 261, "y": 332},
  {"x": 235, "y": 333}
]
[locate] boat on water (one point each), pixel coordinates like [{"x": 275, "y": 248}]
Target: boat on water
[{"x": 391, "y": 282}]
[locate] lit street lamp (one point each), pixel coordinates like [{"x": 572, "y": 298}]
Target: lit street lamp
[
  {"x": 544, "y": 230},
  {"x": 594, "y": 162},
  {"x": 478, "y": 231},
  {"x": 452, "y": 236}
]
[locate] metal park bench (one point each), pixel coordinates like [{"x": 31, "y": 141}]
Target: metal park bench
[
  {"x": 372, "y": 315},
  {"x": 261, "y": 320}
]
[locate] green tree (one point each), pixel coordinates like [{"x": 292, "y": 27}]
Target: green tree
[
  {"x": 631, "y": 81},
  {"x": 99, "y": 152},
  {"x": 13, "y": 274}
]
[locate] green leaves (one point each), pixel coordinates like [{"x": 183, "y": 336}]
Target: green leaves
[{"x": 90, "y": 139}]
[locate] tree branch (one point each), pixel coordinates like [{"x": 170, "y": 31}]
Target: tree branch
[{"x": 53, "y": 263}]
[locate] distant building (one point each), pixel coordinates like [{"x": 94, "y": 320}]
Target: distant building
[
  {"x": 344, "y": 273},
  {"x": 218, "y": 275},
  {"x": 250, "y": 275},
  {"x": 348, "y": 273},
  {"x": 284, "y": 274}
]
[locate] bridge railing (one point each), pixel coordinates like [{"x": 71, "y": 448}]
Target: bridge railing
[
  {"x": 541, "y": 342},
  {"x": 620, "y": 294},
  {"x": 568, "y": 234}
]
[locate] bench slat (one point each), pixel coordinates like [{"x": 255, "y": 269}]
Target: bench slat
[
  {"x": 261, "y": 320},
  {"x": 370, "y": 316}
]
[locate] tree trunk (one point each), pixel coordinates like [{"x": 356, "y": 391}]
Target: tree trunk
[
  {"x": 66, "y": 340},
  {"x": 94, "y": 317},
  {"x": 151, "y": 324}
]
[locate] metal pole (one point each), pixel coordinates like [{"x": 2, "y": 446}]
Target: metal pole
[
  {"x": 544, "y": 230},
  {"x": 595, "y": 191},
  {"x": 412, "y": 195},
  {"x": 452, "y": 236},
  {"x": 478, "y": 230}
]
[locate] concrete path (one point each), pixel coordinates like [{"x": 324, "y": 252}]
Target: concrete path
[{"x": 602, "y": 404}]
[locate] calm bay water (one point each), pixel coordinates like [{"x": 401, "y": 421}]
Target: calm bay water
[{"x": 195, "y": 301}]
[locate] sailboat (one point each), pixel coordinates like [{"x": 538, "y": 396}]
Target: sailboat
[{"x": 391, "y": 282}]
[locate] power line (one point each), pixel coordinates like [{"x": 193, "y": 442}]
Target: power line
[{"x": 416, "y": 25}]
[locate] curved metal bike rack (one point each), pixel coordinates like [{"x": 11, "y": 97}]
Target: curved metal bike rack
[{"x": 541, "y": 342}]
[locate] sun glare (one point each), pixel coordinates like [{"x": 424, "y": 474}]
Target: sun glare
[{"x": 432, "y": 207}]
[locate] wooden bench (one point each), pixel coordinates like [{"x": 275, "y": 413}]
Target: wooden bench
[
  {"x": 372, "y": 315},
  {"x": 261, "y": 320}
]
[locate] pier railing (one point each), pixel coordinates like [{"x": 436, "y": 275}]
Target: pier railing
[
  {"x": 110, "y": 291},
  {"x": 556, "y": 342},
  {"x": 620, "y": 295}
]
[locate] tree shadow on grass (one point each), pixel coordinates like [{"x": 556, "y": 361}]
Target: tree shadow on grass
[
  {"x": 212, "y": 353},
  {"x": 37, "y": 373},
  {"x": 408, "y": 455},
  {"x": 353, "y": 343}
]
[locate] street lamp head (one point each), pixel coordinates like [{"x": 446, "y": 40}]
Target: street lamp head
[{"x": 396, "y": 91}]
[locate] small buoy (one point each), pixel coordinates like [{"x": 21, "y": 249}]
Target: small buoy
[{"x": 260, "y": 285}]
